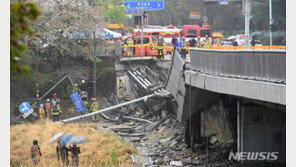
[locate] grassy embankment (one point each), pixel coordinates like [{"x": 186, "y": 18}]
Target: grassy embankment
[{"x": 102, "y": 149}]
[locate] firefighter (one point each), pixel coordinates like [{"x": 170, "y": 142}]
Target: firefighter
[
  {"x": 84, "y": 99},
  {"x": 35, "y": 152},
  {"x": 41, "y": 113},
  {"x": 183, "y": 48},
  {"x": 48, "y": 109},
  {"x": 130, "y": 43},
  {"x": 199, "y": 44},
  {"x": 77, "y": 88},
  {"x": 94, "y": 107},
  {"x": 160, "y": 49},
  {"x": 121, "y": 88},
  {"x": 58, "y": 101},
  {"x": 55, "y": 112},
  {"x": 207, "y": 42}
]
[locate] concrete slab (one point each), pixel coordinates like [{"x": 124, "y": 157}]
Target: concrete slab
[{"x": 258, "y": 90}]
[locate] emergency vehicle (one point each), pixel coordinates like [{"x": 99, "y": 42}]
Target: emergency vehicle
[
  {"x": 149, "y": 44},
  {"x": 166, "y": 33},
  {"x": 190, "y": 30}
]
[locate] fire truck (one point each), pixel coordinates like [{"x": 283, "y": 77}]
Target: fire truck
[
  {"x": 150, "y": 41},
  {"x": 194, "y": 31}
]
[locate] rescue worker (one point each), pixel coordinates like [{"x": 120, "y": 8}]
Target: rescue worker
[
  {"x": 63, "y": 153},
  {"x": 74, "y": 156},
  {"x": 121, "y": 88},
  {"x": 183, "y": 48},
  {"x": 48, "y": 109},
  {"x": 41, "y": 113},
  {"x": 207, "y": 42},
  {"x": 58, "y": 101},
  {"x": 84, "y": 99},
  {"x": 55, "y": 112},
  {"x": 35, "y": 152},
  {"x": 94, "y": 107},
  {"x": 77, "y": 88},
  {"x": 130, "y": 43},
  {"x": 160, "y": 48},
  {"x": 199, "y": 44}
]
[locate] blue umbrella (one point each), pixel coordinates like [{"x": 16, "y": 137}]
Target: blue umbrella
[{"x": 65, "y": 140}]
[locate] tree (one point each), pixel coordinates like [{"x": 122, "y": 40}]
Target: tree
[
  {"x": 59, "y": 22},
  {"x": 115, "y": 15},
  {"x": 21, "y": 14}
]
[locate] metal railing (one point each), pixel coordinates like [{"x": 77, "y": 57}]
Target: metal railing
[{"x": 264, "y": 65}]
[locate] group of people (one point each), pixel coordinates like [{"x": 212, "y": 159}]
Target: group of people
[
  {"x": 62, "y": 154},
  {"x": 89, "y": 107},
  {"x": 51, "y": 109},
  {"x": 181, "y": 45}
]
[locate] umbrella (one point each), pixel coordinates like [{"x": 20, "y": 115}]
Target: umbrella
[
  {"x": 78, "y": 140},
  {"x": 65, "y": 140},
  {"x": 256, "y": 33},
  {"x": 56, "y": 137}
]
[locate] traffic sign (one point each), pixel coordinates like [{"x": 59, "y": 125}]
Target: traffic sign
[
  {"x": 223, "y": 2},
  {"x": 77, "y": 102},
  {"x": 30, "y": 111},
  {"x": 24, "y": 107},
  {"x": 132, "y": 11},
  {"x": 194, "y": 15},
  {"x": 145, "y": 4}
]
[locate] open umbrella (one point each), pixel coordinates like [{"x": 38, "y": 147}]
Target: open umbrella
[
  {"x": 56, "y": 137},
  {"x": 78, "y": 140},
  {"x": 256, "y": 33},
  {"x": 65, "y": 140}
]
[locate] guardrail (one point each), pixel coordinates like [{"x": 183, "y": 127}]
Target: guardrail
[{"x": 264, "y": 65}]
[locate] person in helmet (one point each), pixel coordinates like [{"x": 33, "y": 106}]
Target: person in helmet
[
  {"x": 35, "y": 152},
  {"x": 183, "y": 48},
  {"x": 48, "y": 109},
  {"x": 41, "y": 113},
  {"x": 84, "y": 98},
  {"x": 160, "y": 48},
  {"x": 121, "y": 88},
  {"x": 199, "y": 44},
  {"x": 207, "y": 42},
  {"x": 55, "y": 112},
  {"x": 58, "y": 101},
  {"x": 95, "y": 107},
  {"x": 77, "y": 89}
]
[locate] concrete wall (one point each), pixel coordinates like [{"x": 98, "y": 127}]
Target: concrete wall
[
  {"x": 263, "y": 130},
  {"x": 216, "y": 123}
]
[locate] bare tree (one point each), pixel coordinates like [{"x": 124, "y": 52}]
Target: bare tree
[{"x": 59, "y": 20}]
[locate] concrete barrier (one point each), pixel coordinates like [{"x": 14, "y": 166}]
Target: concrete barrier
[{"x": 263, "y": 65}]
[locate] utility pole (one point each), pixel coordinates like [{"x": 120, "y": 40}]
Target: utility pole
[
  {"x": 247, "y": 21},
  {"x": 95, "y": 58},
  {"x": 142, "y": 31},
  {"x": 37, "y": 88},
  {"x": 270, "y": 22}
]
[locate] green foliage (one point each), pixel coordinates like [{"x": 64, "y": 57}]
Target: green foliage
[
  {"x": 20, "y": 16},
  {"x": 115, "y": 14}
]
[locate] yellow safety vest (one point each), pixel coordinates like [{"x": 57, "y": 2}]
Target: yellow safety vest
[
  {"x": 130, "y": 42},
  {"x": 41, "y": 112},
  {"x": 55, "y": 110},
  {"x": 207, "y": 43},
  {"x": 184, "y": 45},
  {"x": 94, "y": 106},
  {"x": 121, "y": 86}
]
